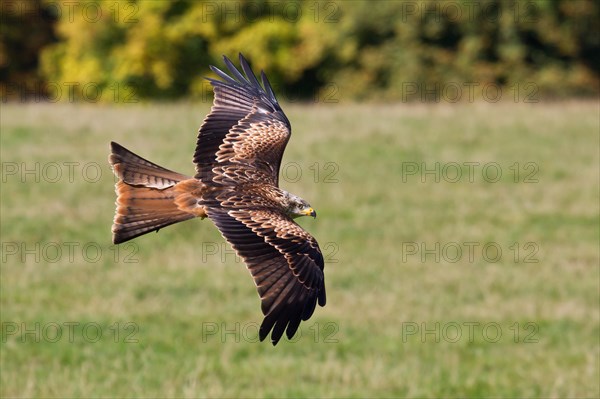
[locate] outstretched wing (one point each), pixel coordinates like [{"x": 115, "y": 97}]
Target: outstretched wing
[
  {"x": 284, "y": 260},
  {"x": 245, "y": 134}
]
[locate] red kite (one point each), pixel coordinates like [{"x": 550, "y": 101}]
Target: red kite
[{"x": 236, "y": 185}]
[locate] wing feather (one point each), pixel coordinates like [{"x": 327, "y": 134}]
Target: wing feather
[
  {"x": 249, "y": 73},
  {"x": 240, "y": 145},
  {"x": 284, "y": 261},
  {"x": 245, "y": 129}
]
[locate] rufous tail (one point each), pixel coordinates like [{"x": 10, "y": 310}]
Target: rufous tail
[{"x": 150, "y": 197}]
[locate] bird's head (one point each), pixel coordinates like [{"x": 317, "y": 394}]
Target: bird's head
[{"x": 296, "y": 206}]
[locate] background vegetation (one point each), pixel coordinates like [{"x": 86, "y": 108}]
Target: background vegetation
[
  {"x": 326, "y": 49},
  {"x": 442, "y": 143},
  {"x": 173, "y": 285}
]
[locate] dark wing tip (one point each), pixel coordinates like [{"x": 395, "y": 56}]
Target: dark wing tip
[
  {"x": 267, "y": 86},
  {"x": 249, "y": 72},
  {"x": 247, "y": 78},
  {"x": 322, "y": 296},
  {"x": 235, "y": 72},
  {"x": 265, "y": 329},
  {"x": 116, "y": 147},
  {"x": 223, "y": 75}
]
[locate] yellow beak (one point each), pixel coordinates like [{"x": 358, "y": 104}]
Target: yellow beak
[{"x": 310, "y": 212}]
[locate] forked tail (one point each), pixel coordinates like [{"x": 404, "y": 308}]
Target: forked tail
[{"x": 150, "y": 197}]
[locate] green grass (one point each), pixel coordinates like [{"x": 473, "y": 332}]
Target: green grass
[{"x": 370, "y": 222}]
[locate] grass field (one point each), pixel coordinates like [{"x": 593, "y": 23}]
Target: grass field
[{"x": 461, "y": 246}]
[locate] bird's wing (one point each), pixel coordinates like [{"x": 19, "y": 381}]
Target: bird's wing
[
  {"x": 244, "y": 136},
  {"x": 284, "y": 260}
]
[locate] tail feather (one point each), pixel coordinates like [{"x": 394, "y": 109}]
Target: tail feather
[
  {"x": 149, "y": 197},
  {"x": 133, "y": 169}
]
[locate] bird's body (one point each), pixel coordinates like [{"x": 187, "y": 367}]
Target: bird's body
[{"x": 238, "y": 154}]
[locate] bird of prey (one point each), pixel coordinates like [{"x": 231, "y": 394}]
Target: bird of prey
[{"x": 238, "y": 154}]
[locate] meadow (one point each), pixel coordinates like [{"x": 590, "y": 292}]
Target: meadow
[{"x": 461, "y": 246}]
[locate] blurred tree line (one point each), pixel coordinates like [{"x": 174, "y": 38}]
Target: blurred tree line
[{"x": 313, "y": 50}]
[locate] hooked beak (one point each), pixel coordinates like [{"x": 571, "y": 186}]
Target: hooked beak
[{"x": 310, "y": 212}]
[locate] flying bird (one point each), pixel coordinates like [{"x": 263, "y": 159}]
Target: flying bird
[{"x": 238, "y": 155}]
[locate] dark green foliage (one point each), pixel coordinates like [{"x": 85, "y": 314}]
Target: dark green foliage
[
  {"x": 26, "y": 28},
  {"x": 323, "y": 51}
]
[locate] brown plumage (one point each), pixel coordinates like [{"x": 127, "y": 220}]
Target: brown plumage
[{"x": 238, "y": 154}]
